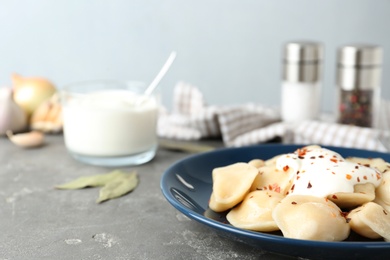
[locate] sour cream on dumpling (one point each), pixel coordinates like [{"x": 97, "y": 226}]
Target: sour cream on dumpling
[{"x": 321, "y": 172}]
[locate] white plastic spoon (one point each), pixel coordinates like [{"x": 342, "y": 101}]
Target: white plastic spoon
[{"x": 149, "y": 90}]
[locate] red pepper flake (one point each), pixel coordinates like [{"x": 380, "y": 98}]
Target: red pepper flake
[
  {"x": 301, "y": 157},
  {"x": 365, "y": 177},
  {"x": 298, "y": 177},
  {"x": 309, "y": 185},
  {"x": 356, "y": 167},
  {"x": 301, "y": 152},
  {"x": 378, "y": 176},
  {"x": 297, "y": 172},
  {"x": 367, "y": 165},
  {"x": 333, "y": 173},
  {"x": 294, "y": 203},
  {"x": 348, "y": 176},
  {"x": 321, "y": 156},
  {"x": 275, "y": 187},
  {"x": 333, "y": 160},
  {"x": 334, "y": 197},
  {"x": 358, "y": 179},
  {"x": 292, "y": 187},
  {"x": 313, "y": 157},
  {"x": 285, "y": 168}
]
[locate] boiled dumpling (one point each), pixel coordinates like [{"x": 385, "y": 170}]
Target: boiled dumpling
[
  {"x": 363, "y": 193},
  {"x": 377, "y": 163},
  {"x": 270, "y": 178},
  {"x": 230, "y": 185},
  {"x": 310, "y": 217},
  {"x": 370, "y": 220},
  {"x": 272, "y": 161},
  {"x": 382, "y": 192},
  {"x": 257, "y": 163},
  {"x": 255, "y": 212}
]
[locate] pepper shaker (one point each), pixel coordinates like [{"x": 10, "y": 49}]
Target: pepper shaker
[
  {"x": 301, "y": 85},
  {"x": 359, "y": 80}
]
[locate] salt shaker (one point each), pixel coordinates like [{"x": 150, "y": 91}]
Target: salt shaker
[
  {"x": 358, "y": 81},
  {"x": 301, "y": 85}
]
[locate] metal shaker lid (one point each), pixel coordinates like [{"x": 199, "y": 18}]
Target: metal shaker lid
[
  {"x": 359, "y": 66},
  {"x": 302, "y": 61},
  {"x": 302, "y": 51},
  {"x": 360, "y": 55}
]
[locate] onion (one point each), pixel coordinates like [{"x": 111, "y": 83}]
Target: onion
[
  {"x": 12, "y": 117},
  {"x": 29, "y": 93}
]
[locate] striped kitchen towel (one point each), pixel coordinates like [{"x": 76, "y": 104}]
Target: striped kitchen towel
[
  {"x": 324, "y": 133},
  {"x": 193, "y": 119},
  {"x": 241, "y": 125},
  {"x": 328, "y": 133}
]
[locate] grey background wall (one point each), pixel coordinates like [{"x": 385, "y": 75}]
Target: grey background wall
[{"x": 230, "y": 49}]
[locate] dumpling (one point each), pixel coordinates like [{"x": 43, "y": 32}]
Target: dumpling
[
  {"x": 370, "y": 220},
  {"x": 257, "y": 163},
  {"x": 270, "y": 178},
  {"x": 377, "y": 163},
  {"x": 363, "y": 193},
  {"x": 310, "y": 217},
  {"x": 382, "y": 192},
  {"x": 272, "y": 161},
  {"x": 230, "y": 185},
  {"x": 255, "y": 212}
]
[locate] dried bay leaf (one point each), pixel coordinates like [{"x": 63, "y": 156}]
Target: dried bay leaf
[
  {"x": 117, "y": 187},
  {"x": 91, "y": 181}
]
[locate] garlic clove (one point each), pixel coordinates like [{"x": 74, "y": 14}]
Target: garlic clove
[
  {"x": 12, "y": 117},
  {"x": 27, "y": 140},
  {"x": 47, "y": 117}
]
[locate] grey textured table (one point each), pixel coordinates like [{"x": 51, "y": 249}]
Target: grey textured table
[{"x": 40, "y": 222}]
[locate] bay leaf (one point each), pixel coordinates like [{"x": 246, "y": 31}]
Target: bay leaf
[
  {"x": 118, "y": 187},
  {"x": 91, "y": 181}
]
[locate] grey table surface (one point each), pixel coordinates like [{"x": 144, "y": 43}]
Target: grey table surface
[{"x": 40, "y": 222}]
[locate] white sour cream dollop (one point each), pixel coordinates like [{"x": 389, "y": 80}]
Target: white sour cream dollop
[{"x": 322, "y": 172}]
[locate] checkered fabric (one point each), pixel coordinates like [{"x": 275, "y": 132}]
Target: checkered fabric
[{"x": 240, "y": 125}]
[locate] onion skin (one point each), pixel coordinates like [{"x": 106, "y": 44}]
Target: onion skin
[
  {"x": 30, "y": 92},
  {"x": 12, "y": 117}
]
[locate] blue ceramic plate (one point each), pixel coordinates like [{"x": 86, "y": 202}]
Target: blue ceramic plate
[{"x": 187, "y": 186}]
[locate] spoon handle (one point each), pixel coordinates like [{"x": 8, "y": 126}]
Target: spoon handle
[{"x": 161, "y": 74}]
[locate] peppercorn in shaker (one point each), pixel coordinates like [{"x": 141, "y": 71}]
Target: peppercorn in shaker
[
  {"x": 301, "y": 86},
  {"x": 359, "y": 80}
]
